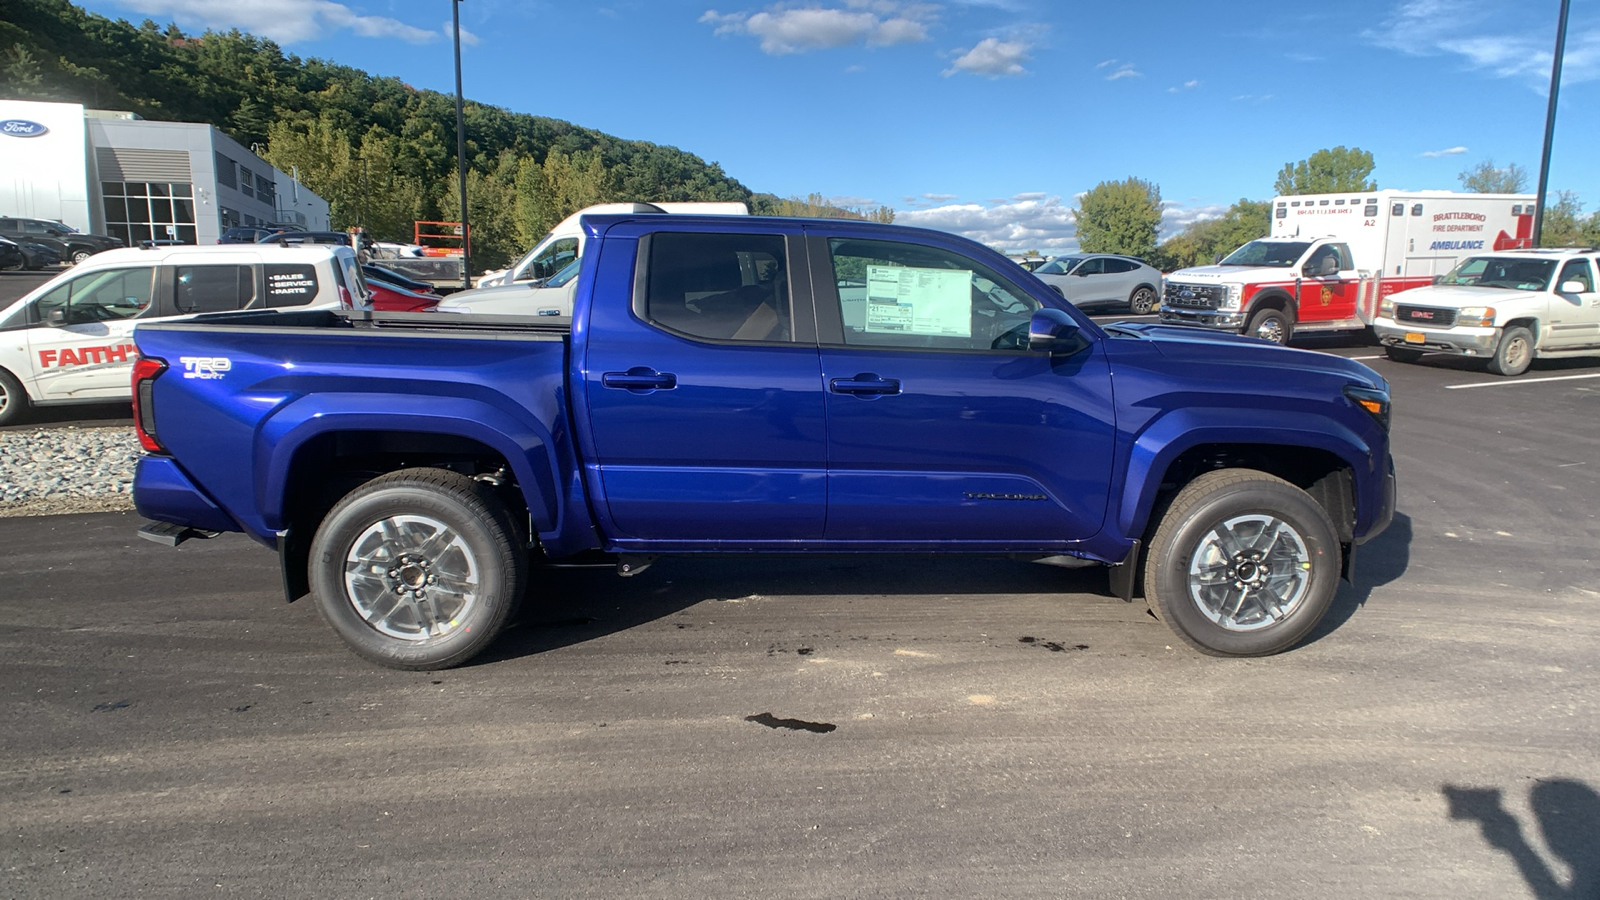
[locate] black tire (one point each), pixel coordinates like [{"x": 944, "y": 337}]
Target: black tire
[
  {"x": 429, "y": 630},
  {"x": 1272, "y": 325},
  {"x": 13, "y": 400},
  {"x": 1142, "y": 300},
  {"x": 1514, "y": 354},
  {"x": 1402, "y": 354},
  {"x": 80, "y": 255},
  {"x": 1190, "y": 536}
]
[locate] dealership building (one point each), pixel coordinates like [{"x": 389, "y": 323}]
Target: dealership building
[{"x": 114, "y": 173}]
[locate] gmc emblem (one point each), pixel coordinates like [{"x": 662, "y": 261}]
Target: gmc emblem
[{"x": 1422, "y": 314}]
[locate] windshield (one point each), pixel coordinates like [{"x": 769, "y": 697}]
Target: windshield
[
  {"x": 1276, "y": 254},
  {"x": 1505, "y": 272},
  {"x": 1061, "y": 265},
  {"x": 565, "y": 275}
]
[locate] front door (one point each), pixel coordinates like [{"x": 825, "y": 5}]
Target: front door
[
  {"x": 704, "y": 393},
  {"x": 82, "y": 342},
  {"x": 1329, "y": 285},
  {"x": 1574, "y": 315},
  {"x": 943, "y": 429}
]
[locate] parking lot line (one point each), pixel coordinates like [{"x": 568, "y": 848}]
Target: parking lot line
[{"x": 1509, "y": 382}]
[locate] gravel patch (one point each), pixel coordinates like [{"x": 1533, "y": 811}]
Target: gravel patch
[{"x": 51, "y": 471}]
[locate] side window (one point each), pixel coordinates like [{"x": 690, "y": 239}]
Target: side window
[
  {"x": 1118, "y": 266},
  {"x": 103, "y": 296},
  {"x": 1342, "y": 253},
  {"x": 201, "y": 289},
  {"x": 908, "y": 295},
  {"x": 552, "y": 259},
  {"x": 719, "y": 286},
  {"x": 1577, "y": 270},
  {"x": 290, "y": 284},
  {"x": 1091, "y": 267}
]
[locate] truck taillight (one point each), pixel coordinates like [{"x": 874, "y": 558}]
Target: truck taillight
[
  {"x": 144, "y": 413},
  {"x": 344, "y": 298}
]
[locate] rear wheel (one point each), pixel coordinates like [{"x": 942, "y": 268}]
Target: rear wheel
[
  {"x": 418, "y": 569},
  {"x": 13, "y": 400},
  {"x": 1242, "y": 564},
  {"x": 1271, "y": 325},
  {"x": 1141, "y": 301},
  {"x": 1514, "y": 354},
  {"x": 1402, "y": 354}
]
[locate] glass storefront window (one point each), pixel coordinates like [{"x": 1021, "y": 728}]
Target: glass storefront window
[{"x": 143, "y": 211}]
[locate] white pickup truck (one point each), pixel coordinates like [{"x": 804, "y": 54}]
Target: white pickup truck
[{"x": 1510, "y": 308}]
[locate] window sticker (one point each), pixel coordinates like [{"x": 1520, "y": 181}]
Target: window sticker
[
  {"x": 290, "y": 284},
  {"x": 906, "y": 300}
]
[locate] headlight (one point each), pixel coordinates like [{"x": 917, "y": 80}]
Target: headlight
[
  {"x": 1386, "y": 308},
  {"x": 1375, "y": 402},
  {"x": 1231, "y": 295},
  {"x": 1476, "y": 316}
]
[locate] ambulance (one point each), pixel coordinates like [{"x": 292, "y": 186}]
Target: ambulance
[
  {"x": 70, "y": 340},
  {"x": 1331, "y": 259}
]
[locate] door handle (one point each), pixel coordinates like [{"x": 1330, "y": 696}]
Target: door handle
[
  {"x": 640, "y": 379},
  {"x": 866, "y": 383}
]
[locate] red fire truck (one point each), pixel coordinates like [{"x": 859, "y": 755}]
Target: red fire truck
[{"x": 1331, "y": 258}]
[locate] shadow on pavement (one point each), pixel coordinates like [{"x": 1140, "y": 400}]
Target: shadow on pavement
[
  {"x": 570, "y": 606},
  {"x": 1568, "y": 814},
  {"x": 1378, "y": 562}
]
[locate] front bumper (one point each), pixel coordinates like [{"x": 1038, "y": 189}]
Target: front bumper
[
  {"x": 1219, "y": 319},
  {"x": 1386, "y": 508},
  {"x": 1458, "y": 340}
]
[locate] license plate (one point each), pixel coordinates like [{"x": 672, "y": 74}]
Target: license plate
[{"x": 1415, "y": 337}]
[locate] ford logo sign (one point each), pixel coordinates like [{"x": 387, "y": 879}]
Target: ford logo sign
[
  {"x": 22, "y": 128},
  {"x": 1187, "y": 295}
]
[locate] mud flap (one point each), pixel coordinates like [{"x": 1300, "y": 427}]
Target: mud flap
[
  {"x": 294, "y": 553},
  {"x": 1347, "y": 569},
  {"x": 1125, "y": 574}
]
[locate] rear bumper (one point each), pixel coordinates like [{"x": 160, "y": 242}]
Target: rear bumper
[{"x": 161, "y": 491}]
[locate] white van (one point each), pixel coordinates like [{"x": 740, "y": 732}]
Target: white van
[
  {"x": 550, "y": 297},
  {"x": 564, "y": 243},
  {"x": 70, "y": 340}
]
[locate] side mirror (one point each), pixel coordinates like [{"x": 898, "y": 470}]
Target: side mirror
[
  {"x": 1217, "y": 260},
  {"x": 1437, "y": 279},
  {"x": 1573, "y": 287},
  {"x": 1081, "y": 273},
  {"x": 56, "y": 317},
  {"x": 1053, "y": 331}
]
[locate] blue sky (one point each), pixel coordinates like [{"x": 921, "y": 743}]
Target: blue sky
[{"x": 989, "y": 117}]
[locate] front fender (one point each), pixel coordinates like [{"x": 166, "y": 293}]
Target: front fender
[
  {"x": 528, "y": 447},
  {"x": 1165, "y": 439}
]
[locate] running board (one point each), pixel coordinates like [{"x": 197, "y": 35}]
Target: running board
[{"x": 169, "y": 535}]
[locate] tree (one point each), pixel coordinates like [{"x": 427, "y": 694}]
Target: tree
[
  {"x": 1484, "y": 178},
  {"x": 20, "y": 73},
  {"x": 1561, "y": 225},
  {"x": 1201, "y": 242},
  {"x": 1119, "y": 217},
  {"x": 1327, "y": 172}
]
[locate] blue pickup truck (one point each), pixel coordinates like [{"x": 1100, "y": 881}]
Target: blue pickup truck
[{"x": 761, "y": 385}]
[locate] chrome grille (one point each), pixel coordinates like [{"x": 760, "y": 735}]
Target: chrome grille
[
  {"x": 1425, "y": 315},
  {"x": 1193, "y": 296}
]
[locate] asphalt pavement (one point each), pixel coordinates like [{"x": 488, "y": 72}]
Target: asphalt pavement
[{"x": 862, "y": 727}]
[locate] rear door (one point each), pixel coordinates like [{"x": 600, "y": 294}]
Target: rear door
[
  {"x": 704, "y": 402},
  {"x": 943, "y": 429}
]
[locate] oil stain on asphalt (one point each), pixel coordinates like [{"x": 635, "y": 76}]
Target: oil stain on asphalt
[{"x": 772, "y": 721}]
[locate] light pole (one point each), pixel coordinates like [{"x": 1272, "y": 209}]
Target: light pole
[
  {"x": 461, "y": 154},
  {"x": 1550, "y": 122}
]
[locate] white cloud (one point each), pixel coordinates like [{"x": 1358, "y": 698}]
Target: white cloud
[
  {"x": 1189, "y": 85},
  {"x": 1490, "y": 36},
  {"x": 1176, "y": 216},
  {"x": 1104, "y": 63},
  {"x": 853, "y": 202},
  {"x": 284, "y": 21},
  {"x": 789, "y": 29},
  {"x": 1126, "y": 70},
  {"x": 467, "y": 38},
  {"x": 1435, "y": 154},
  {"x": 992, "y": 57},
  {"x": 1029, "y": 221}
]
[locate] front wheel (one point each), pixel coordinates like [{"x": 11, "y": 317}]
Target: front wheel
[
  {"x": 1242, "y": 564},
  {"x": 13, "y": 399},
  {"x": 1141, "y": 301},
  {"x": 1271, "y": 325},
  {"x": 79, "y": 256},
  {"x": 1514, "y": 354},
  {"x": 418, "y": 569}
]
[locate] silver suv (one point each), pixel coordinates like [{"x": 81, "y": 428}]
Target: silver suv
[{"x": 1103, "y": 279}]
